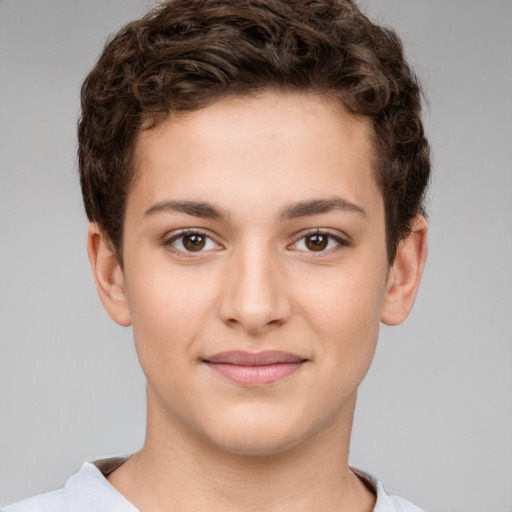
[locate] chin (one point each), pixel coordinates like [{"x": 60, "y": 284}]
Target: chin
[
  {"x": 256, "y": 446},
  {"x": 261, "y": 438}
]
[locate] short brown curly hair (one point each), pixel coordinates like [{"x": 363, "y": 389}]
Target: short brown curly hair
[{"x": 186, "y": 54}]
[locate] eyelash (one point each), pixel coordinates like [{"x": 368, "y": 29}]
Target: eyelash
[
  {"x": 168, "y": 242},
  {"x": 340, "y": 241}
]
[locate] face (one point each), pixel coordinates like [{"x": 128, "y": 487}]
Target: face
[{"x": 255, "y": 271}]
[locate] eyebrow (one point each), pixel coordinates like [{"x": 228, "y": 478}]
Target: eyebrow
[
  {"x": 207, "y": 210},
  {"x": 195, "y": 208},
  {"x": 316, "y": 206}
]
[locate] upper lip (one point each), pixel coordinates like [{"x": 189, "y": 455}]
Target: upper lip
[{"x": 254, "y": 359}]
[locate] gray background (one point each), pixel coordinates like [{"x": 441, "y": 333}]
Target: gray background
[{"x": 434, "y": 419}]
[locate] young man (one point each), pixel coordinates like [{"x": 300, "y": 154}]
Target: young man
[{"x": 254, "y": 175}]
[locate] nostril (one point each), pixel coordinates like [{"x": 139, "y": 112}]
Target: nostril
[{"x": 254, "y": 326}]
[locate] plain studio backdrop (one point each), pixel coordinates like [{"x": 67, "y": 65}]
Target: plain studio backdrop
[{"x": 434, "y": 417}]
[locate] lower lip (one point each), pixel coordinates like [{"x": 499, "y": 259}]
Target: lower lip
[{"x": 255, "y": 375}]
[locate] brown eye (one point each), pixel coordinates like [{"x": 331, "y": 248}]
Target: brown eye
[
  {"x": 189, "y": 242},
  {"x": 321, "y": 242},
  {"x": 316, "y": 242},
  {"x": 194, "y": 242}
]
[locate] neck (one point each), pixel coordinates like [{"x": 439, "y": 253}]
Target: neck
[{"x": 176, "y": 470}]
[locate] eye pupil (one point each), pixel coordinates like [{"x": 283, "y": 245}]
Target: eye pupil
[
  {"x": 317, "y": 242},
  {"x": 194, "y": 242}
]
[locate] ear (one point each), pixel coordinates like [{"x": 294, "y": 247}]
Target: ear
[
  {"x": 405, "y": 274},
  {"x": 108, "y": 276}
]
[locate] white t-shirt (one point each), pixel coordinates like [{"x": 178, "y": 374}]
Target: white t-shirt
[{"x": 89, "y": 491}]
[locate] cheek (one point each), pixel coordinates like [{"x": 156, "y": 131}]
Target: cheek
[
  {"x": 170, "y": 310},
  {"x": 344, "y": 308}
]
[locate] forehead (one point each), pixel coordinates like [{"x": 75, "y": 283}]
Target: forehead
[
  {"x": 277, "y": 108},
  {"x": 297, "y": 145}
]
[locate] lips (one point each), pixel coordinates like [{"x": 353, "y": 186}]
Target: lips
[{"x": 254, "y": 369}]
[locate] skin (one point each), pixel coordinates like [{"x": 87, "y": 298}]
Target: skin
[{"x": 278, "y": 169}]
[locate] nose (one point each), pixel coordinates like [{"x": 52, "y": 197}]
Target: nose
[{"x": 254, "y": 292}]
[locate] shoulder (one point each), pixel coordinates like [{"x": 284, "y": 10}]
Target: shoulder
[
  {"x": 48, "y": 502},
  {"x": 86, "y": 491},
  {"x": 385, "y": 502}
]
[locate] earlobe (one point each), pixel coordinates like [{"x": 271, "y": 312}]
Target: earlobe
[
  {"x": 405, "y": 274},
  {"x": 108, "y": 276}
]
